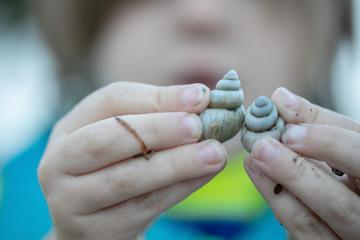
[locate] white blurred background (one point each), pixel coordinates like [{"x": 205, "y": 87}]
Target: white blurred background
[
  {"x": 27, "y": 88},
  {"x": 27, "y": 69}
]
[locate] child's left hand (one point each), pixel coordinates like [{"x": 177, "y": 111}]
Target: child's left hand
[{"x": 314, "y": 203}]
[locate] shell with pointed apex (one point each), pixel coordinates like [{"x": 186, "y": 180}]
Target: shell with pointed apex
[
  {"x": 261, "y": 120},
  {"x": 225, "y": 114}
]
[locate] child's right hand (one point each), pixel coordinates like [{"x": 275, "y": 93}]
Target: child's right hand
[{"x": 96, "y": 188}]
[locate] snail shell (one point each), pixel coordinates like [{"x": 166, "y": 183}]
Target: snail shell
[
  {"x": 225, "y": 114},
  {"x": 261, "y": 120}
]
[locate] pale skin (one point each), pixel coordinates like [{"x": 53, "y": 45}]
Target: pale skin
[
  {"x": 96, "y": 184},
  {"x": 89, "y": 173},
  {"x": 315, "y": 203}
]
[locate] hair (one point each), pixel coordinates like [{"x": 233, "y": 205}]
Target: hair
[
  {"x": 12, "y": 12},
  {"x": 71, "y": 27}
]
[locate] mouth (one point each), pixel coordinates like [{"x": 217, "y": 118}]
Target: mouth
[{"x": 198, "y": 75}]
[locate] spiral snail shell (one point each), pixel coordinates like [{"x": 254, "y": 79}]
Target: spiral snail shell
[
  {"x": 261, "y": 120},
  {"x": 225, "y": 114}
]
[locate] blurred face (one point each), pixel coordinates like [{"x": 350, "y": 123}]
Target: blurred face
[{"x": 270, "y": 43}]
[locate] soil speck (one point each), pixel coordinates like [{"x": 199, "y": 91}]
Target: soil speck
[{"x": 278, "y": 189}]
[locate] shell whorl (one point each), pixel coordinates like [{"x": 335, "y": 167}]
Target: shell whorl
[
  {"x": 261, "y": 120},
  {"x": 225, "y": 114},
  {"x": 228, "y": 93}
]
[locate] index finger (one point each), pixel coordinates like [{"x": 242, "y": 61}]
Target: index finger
[
  {"x": 295, "y": 109},
  {"x": 125, "y": 98}
]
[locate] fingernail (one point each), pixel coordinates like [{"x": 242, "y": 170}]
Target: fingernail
[
  {"x": 265, "y": 150},
  {"x": 212, "y": 154},
  {"x": 192, "y": 126},
  {"x": 294, "y": 133},
  {"x": 193, "y": 95},
  {"x": 289, "y": 99}
]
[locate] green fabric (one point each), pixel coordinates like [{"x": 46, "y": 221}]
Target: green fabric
[{"x": 230, "y": 195}]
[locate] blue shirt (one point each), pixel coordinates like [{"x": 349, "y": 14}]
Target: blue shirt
[{"x": 24, "y": 213}]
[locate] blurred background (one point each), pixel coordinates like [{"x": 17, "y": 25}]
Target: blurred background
[
  {"x": 29, "y": 90},
  {"x": 28, "y": 87},
  {"x": 27, "y": 79}
]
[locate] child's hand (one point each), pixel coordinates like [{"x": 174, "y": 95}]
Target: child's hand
[
  {"x": 314, "y": 204},
  {"x": 95, "y": 186}
]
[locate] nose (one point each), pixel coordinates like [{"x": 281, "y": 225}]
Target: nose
[{"x": 202, "y": 17}]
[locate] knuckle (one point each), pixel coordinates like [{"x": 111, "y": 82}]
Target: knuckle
[
  {"x": 56, "y": 204},
  {"x": 63, "y": 156},
  {"x": 69, "y": 150},
  {"x": 342, "y": 209},
  {"x": 58, "y": 126},
  {"x": 179, "y": 169},
  {"x": 174, "y": 166},
  {"x": 69, "y": 222},
  {"x": 105, "y": 96},
  {"x": 292, "y": 173},
  {"x": 313, "y": 133},
  {"x": 93, "y": 144},
  {"x": 160, "y": 99},
  {"x": 315, "y": 115},
  {"x": 152, "y": 127},
  {"x": 42, "y": 174},
  {"x": 59, "y": 204},
  {"x": 85, "y": 195},
  {"x": 324, "y": 130},
  {"x": 88, "y": 143},
  {"x": 58, "y": 201},
  {"x": 120, "y": 184},
  {"x": 306, "y": 223},
  {"x": 150, "y": 206},
  {"x": 60, "y": 129},
  {"x": 46, "y": 173},
  {"x": 84, "y": 198},
  {"x": 151, "y": 202}
]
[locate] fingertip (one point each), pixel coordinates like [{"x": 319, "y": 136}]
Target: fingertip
[
  {"x": 205, "y": 100},
  {"x": 276, "y": 97},
  {"x": 192, "y": 126},
  {"x": 192, "y": 98},
  {"x": 294, "y": 134},
  {"x": 213, "y": 153},
  {"x": 195, "y": 96},
  {"x": 206, "y": 88},
  {"x": 276, "y": 94},
  {"x": 287, "y": 99},
  {"x": 288, "y": 104},
  {"x": 222, "y": 151},
  {"x": 261, "y": 146}
]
